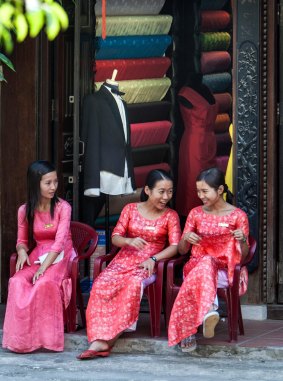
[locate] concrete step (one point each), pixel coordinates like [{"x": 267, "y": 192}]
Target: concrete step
[{"x": 77, "y": 342}]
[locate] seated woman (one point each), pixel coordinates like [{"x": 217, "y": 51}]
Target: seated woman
[
  {"x": 34, "y": 313},
  {"x": 218, "y": 234},
  {"x": 146, "y": 233}
]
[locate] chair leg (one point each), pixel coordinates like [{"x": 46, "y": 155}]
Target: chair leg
[
  {"x": 234, "y": 296},
  {"x": 81, "y": 303},
  {"x": 169, "y": 306},
  {"x": 240, "y": 320},
  {"x": 154, "y": 320}
]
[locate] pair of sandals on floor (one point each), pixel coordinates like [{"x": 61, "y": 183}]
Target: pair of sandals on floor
[{"x": 210, "y": 321}]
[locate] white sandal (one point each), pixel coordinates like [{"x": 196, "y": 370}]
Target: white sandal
[
  {"x": 188, "y": 344},
  {"x": 210, "y": 321}
]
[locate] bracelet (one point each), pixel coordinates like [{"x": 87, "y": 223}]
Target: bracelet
[{"x": 154, "y": 259}]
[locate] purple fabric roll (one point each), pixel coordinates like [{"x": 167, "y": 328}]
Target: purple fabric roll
[{"x": 215, "y": 62}]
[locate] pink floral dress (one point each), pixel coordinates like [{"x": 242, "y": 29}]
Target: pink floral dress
[
  {"x": 115, "y": 296},
  {"x": 34, "y": 313},
  {"x": 218, "y": 249}
]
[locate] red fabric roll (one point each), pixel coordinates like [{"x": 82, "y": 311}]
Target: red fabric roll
[
  {"x": 140, "y": 68},
  {"x": 223, "y": 144},
  {"x": 142, "y": 172},
  {"x": 222, "y": 123},
  {"x": 151, "y": 133},
  {"x": 224, "y": 101},
  {"x": 215, "y": 62},
  {"x": 212, "y": 21},
  {"x": 222, "y": 162}
]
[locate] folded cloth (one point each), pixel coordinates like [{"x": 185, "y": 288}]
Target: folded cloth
[
  {"x": 138, "y": 68},
  {"x": 119, "y": 47},
  {"x": 215, "y": 21},
  {"x": 134, "y": 25},
  {"x": 130, "y": 7},
  {"x": 42, "y": 258}
]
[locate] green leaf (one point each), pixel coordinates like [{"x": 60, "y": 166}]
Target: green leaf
[
  {"x": 21, "y": 25},
  {"x": 61, "y": 14},
  {"x": 35, "y": 21},
  {"x": 52, "y": 26},
  {"x": 6, "y": 61},
  {"x": 7, "y": 40},
  {"x": 6, "y": 12},
  {"x": 2, "y": 78}
]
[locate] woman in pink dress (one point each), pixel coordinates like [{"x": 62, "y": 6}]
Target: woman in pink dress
[
  {"x": 34, "y": 313},
  {"x": 146, "y": 233},
  {"x": 218, "y": 234}
]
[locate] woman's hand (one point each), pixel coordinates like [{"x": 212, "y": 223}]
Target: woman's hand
[
  {"x": 138, "y": 243},
  {"x": 192, "y": 238},
  {"x": 239, "y": 235},
  {"x": 22, "y": 259},
  {"x": 37, "y": 275},
  {"x": 148, "y": 265}
]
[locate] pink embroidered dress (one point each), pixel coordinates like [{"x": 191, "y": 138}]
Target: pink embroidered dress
[
  {"x": 34, "y": 313},
  {"x": 115, "y": 296},
  {"x": 217, "y": 250}
]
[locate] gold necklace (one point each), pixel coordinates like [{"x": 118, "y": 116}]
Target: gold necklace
[{"x": 49, "y": 224}]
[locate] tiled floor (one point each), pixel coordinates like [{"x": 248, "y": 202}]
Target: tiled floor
[
  {"x": 258, "y": 334},
  {"x": 267, "y": 333}
]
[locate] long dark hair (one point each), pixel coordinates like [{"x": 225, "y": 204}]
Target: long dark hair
[
  {"x": 152, "y": 178},
  {"x": 35, "y": 171},
  {"x": 214, "y": 177}
]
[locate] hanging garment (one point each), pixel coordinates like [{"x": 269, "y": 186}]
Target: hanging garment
[
  {"x": 105, "y": 132},
  {"x": 197, "y": 148}
]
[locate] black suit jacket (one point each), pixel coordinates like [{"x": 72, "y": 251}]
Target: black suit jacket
[{"x": 103, "y": 135}]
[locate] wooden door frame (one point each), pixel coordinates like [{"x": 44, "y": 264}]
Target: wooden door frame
[{"x": 263, "y": 154}]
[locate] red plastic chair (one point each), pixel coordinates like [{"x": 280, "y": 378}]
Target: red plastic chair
[
  {"x": 153, "y": 291},
  {"x": 85, "y": 241},
  {"x": 232, "y": 298},
  {"x": 229, "y": 294}
]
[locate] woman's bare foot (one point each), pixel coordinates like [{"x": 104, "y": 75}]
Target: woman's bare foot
[{"x": 99, "y": 346}]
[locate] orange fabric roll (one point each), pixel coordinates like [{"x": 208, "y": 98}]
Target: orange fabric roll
[{"x": 222, "y": 123}]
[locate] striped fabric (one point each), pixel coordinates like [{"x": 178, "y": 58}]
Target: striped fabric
[
  {"x": 143, "y": 90},
  {"x": 215, "y": 41},
  {"x": 134, "y": 25},
  {"x": 130, "y": 7}
]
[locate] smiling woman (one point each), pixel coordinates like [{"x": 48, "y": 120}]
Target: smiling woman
[
  {"x": 217, "y": 232},
  {"x": 146, "y": 233}
]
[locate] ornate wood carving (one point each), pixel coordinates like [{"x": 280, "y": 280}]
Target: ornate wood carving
[
  {"x": 247, "y": 124},
  {"x": 247, "y": 118}
]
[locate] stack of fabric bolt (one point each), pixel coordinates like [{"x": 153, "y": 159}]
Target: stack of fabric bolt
[
  {"x": 215, "y": 65},
  {"x": 137, "y": 37}
]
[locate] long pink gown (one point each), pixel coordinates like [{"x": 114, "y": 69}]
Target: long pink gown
[
  {"x": 115, "y": 296},
  {"x": 34, "y": 313},
  {"x": 217, "y": 250}
]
